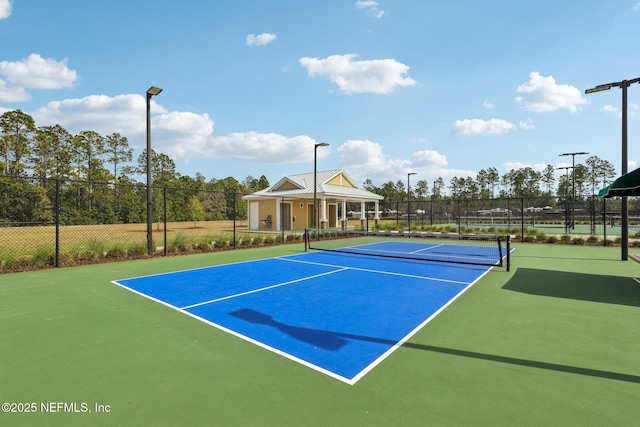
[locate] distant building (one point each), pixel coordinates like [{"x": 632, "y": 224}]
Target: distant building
[{"x": 288, "y": 204}]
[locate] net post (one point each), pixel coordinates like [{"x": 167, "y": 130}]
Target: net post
[
  {"x": 508, "y": 253},
  {"x": 305, "y": 237}
]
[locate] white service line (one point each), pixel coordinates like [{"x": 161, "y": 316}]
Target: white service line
[{"x": 261, "y": 289}]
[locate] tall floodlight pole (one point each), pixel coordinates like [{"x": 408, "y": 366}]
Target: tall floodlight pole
[
  {"x": 573, "y": 186},
  {"x": 566, "y": 199},
  {"x": 152, "y": 91},
  {"x": 624, "y": 84},
  {"x": 315, "y": 183},
  {"x": 409, "y": 200}
]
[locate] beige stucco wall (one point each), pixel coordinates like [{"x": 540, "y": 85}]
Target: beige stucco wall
[
  {"x": 340, "y": 180},
  {"x": 266, "y": 208}
]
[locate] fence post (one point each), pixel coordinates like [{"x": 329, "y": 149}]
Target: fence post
[
  {"x": 604, "y": 220},
  {"x": 164, "y": 217},
  {"x": 57, "y": 219},
  {"x": 522, "y": 218},
  {"x": 233, "y": 215}
]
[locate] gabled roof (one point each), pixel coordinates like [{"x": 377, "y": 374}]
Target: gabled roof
[{"x": 334, "y": 183}]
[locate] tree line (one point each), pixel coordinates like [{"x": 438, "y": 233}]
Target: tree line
[
  {"x": 524, "y": 182},
  {"x": 44, "y": 154},
  {"x": 98, "y": 179}
]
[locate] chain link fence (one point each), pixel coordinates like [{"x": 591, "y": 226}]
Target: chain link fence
[
  {"x": 52, "y": 223},
  {"x": 49, "y": 222},
  {"x": 587, "y": 219}
]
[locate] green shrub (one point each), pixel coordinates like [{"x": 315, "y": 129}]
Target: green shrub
[
  {"x": 64, "y": 258},
  {"x": 552, "y": 239},
  {"x": 565, "y": 238},
  {"x": 96, "y": 246},
  {"x": 137, "y": 249},
  {"x": 185, "y": 247},
  {"x": 116, "y": 253},
  {"x": 592, "y": 240},
  {"x": 268, "y": 240},
  {"x": 25, "y": 261},
  {"x": 86, "y": 255},
  {"x": 578, "y": 241},
  {"x": 178, "y": 241}
]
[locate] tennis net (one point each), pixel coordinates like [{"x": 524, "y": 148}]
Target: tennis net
[{"x": 474, "y": 249}]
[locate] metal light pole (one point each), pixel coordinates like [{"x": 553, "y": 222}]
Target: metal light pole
[
  {"x": 315, "y": 184},
  {"x": 409, "y": 200},
  {"x": 624, "y": 84},
  {"x": 566, "y": 200},
  {"x": 152, "y": 91},
  {"x": 573, "y": 191}
]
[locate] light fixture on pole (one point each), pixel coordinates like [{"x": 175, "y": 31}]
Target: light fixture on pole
[
  {"x": 573, "y": 191},
  {"x": 315, "y": 184},
  {"x": 409, "y": 200},
  {"x": 566, "y": 199},
  {"x": 624, "y": 84},
  {"x": 152, "y": 91}
]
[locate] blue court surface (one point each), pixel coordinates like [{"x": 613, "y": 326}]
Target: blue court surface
[{"x": 338, "y": 314}]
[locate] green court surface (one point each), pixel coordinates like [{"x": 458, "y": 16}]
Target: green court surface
[
  {"x": 557, "y": 229},
  {"x": 553, "y": 342}
]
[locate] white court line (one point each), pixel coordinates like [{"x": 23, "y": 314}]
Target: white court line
[
  {"x": 427, "y": 249},
  {"x": 260, "y": 289},
  {"x": 368, "y": 270}
]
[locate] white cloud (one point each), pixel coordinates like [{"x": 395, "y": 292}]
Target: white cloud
[
  {"x": 611, "y": 109},
  {"x": 353, "y": 77},
  {"x": 260, "y": 39},
  {"x": 11, "y": 93},
  {"x": 541, "y": 94},
  {"x": 179, "y": 134},
  {"x": 5, "y": 9},
  {"x": 632, "y": 108},
  {"x": 538, "y": 167},
  {"x": 473, "y": 127},
  {"x": 371, "y": 7},
  {"x": 33, "y": 72},
  {"x": 36, "y": 72},
  {"x": 429, "y": 158},
  {"x": 526, "y": 125},
  {"x": 488, "y": 105},
  {"x": 123, "y": 113},
  {"x": 182, "y": 134},
  {"x": 264, "y": 147},
  {"x": 365, "y": 159}
]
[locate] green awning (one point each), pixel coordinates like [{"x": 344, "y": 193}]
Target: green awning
[{"x": 627, "y": 185}]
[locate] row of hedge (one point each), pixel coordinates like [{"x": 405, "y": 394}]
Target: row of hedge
[{"x": 96, "y": 251}]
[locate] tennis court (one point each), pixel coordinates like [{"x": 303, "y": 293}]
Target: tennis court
[
  {"x": 338, "y": 313},
  {"x": 554, "y": 341}
]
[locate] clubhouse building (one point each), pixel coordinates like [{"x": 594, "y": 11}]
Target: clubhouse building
[{"x": 288, "y": 204}]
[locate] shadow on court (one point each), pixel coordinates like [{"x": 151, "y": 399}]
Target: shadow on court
[
  {"x": 578, "y": 286},
  {"x": 334, "y": 340}
]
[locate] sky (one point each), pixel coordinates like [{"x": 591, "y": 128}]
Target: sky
[{"x": 442, "y": 88}]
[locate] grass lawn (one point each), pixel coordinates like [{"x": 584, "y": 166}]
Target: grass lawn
[{"x": 555, "y": 341}]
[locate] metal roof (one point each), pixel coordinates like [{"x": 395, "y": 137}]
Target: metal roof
[{"x": 304, "y": 187}]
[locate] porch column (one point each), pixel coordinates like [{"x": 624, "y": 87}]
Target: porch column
[
  {"x": 344, "y": 215},
  {"x": 363, "y": 216},
  {"x": 323, "y": 214},
  {"x": 377, "y": 217}
]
